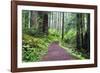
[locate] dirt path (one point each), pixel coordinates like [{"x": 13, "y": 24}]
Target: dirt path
[{"x": 55, "y": 52}]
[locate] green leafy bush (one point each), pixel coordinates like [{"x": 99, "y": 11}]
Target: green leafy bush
[
  {"x": 33, "y": 48},
  {"x": 53, "y": 35},
  {"x": 36, "y": 45},
  {"x": 33, "y": 32},
  {"x": 70, "y": 36}
]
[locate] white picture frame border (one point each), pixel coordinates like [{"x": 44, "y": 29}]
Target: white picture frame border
[{"x": 20, "y": 64}]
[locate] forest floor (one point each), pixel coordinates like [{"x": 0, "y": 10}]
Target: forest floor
[{"x": 55, "y": 52}]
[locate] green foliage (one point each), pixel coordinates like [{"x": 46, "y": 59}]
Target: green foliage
[
  {"x": 30, "y": 54},
  {"x": 33, "y": 48},
  {"x": 74, "y": 52},
  {"x": 37, "y": 36},
  {"x": 69, "y": 43},
  {"x": 53, "y": 35},
  {"x": 25, "y": 19},
  {"x": 69, "y": 38},
  {"x": 33, "y": 32}
]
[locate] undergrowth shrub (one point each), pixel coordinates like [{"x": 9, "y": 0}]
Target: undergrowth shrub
[{"x": 33, "y": 48}]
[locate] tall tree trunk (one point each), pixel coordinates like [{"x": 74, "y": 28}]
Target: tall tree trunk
[
  {"x": 29, "y": 17},
  {"x": 78, "y": 32},
  {"x": 63, "y": 26},
  {"x": 81, "y": 28},
  {"x": 33, "y": 19},
  {"x": 88, "y": 32},
  {"x": 45, "y": 23},
  {"x": 61, "y": 22}
]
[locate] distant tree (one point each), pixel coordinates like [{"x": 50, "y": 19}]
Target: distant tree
[
  {"x": 45, "y": 22},
  {"x": 87, "y": 34},
  {"x": 78, "y": 38},
  {"x": 62, "y": 25}
]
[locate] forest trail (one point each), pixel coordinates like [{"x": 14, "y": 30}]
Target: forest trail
[{"x": 55, "y": 52}]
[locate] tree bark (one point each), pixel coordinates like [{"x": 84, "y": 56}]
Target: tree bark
[
  {"x": 45, "y": 22},
  {"x": 78, "y": 32},
  {"x": 63, "y": 26}
]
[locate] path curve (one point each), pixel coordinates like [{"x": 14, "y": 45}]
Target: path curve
[{"x": 55, "y": 52}]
